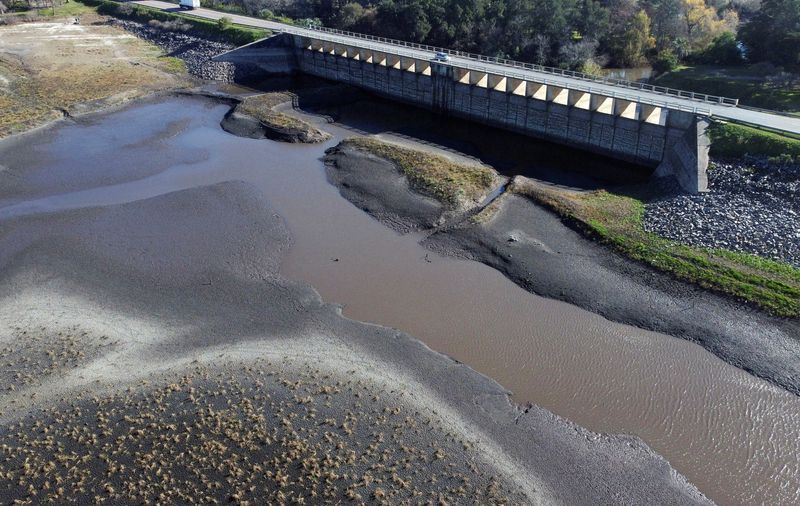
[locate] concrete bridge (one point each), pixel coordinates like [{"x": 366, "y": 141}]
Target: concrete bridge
[{"x": 647, "y": 125}]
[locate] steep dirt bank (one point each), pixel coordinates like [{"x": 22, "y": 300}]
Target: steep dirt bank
[{"x": 535, "y": 249}]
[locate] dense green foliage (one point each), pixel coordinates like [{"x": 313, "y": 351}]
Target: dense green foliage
[
  {"x": 232, "y": 33},
  {"x": 567, "y": 33},
  {"x": 723, "y": 50},
  {"x": 774, "y": 33},
  {"x": 734, "y": 141}
]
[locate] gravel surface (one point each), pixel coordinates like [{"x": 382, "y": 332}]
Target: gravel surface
[
  {"x": 195, "y": 51},
  {"x": 752, "y": 207}
]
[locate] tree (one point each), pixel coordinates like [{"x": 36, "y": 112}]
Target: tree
[
  {"x": 635, "y": 41},
  {"x": 349, "y": 15},
  {"x": 665, "y": 61},
  {"x": 667, "y": 22},
  {"x": 774, "y": 33},
  {"x": 703, "y": 23},
  {"x": 723, "y": 50}
]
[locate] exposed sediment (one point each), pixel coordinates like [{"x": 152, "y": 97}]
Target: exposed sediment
[
  {"x": 367, "y": 176},
  {"x": 213, "y": 348},
  {"x": 536, "y": 250},
  {"x": 256, "y": 117}
]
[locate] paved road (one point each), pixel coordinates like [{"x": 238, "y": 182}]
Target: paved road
[{"x": 737, "y": 114}]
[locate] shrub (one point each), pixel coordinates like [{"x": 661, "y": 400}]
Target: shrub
[
  {"x": 665, "y": 61},
  {"x": 223, "y": 23},
  {"x": 723, "y": 50},
  {"x": 592, "y": 68},
  {"x": 125, "y": 9}
]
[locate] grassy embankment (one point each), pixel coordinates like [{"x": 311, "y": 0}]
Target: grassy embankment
[
  {"x": 233, "y": 33},
  {"x": 451, "y": 183},
  {"x": 748, "y": 84},
  {"x": 44, "y": 74},
  {"x": 729, "y": 140},
  {"x": 617, "y": 220}
]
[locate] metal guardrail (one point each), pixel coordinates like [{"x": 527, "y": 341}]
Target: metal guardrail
[
  {"x": 329, "y": 36},
  {"x": 701, "y": 97},
  {"x": 472, "y": 57}
]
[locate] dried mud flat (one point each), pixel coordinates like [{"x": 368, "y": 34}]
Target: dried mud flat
[{"x": 184, "y": 369}]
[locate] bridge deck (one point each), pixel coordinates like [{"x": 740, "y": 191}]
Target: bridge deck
[{"x": 759, "y": 118}]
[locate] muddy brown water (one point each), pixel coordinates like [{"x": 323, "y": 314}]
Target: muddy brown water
[{"x": 736, "y": 437}]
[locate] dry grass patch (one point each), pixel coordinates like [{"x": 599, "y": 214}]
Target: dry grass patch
[
  {"x": 262, "y": 107},
  {"x": 617, "y": 220},
  {"x": 49, "y": 68},
  {"x": 454, "y": 184}
]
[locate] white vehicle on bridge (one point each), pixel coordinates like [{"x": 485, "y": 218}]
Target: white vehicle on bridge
[
  {"x": 440, "y": 56},
  {"x": 189, "y": 4}
]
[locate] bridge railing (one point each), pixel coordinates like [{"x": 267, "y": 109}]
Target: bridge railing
[
  {"x": 329, "y": 36},
  {"x": 661, "y": 90}
]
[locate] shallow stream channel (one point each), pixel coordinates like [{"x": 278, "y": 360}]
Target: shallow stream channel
[{"x": 733, "y": 435}]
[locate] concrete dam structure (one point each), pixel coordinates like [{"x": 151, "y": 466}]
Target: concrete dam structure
[{"x": 670, "y": 138}]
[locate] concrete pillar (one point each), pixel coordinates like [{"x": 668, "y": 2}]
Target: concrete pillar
[
  {"x": 365, "y": 55},
  {"x": 602, "y": 104},
  {"x": 625, "y": 108},
  {"x": 580, "y": 99},
  {"x": 461, "y": 75},
  {"x": 317, "y": 45},
  {"x": 686, "y": 151},
  {"x": 558, "y": 95},
  {"x": 422, "y": 67},
  {"x": 479, "y": 79},
  {"x": 340, "y": 50},
  {"x": 652, "y": 114},
  {"x": 353, "y": 52},
  {"x": 497, "y": 82},
  {"x": 516, "y": 86},
  {"x": 537, "y": 91},
  {"x": 393, "y": 61},
  {"x": 408, "y": 64},
  {"x": 328, "y": 47},
  {"x": 379, "y": 58}
]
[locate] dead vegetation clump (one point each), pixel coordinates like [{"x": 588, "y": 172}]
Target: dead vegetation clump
[{"x": 254, "y": 436}]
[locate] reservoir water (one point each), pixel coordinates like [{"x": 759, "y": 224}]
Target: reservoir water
[{"x": 733, "y": 435}]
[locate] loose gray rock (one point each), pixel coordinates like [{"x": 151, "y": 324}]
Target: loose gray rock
[{"x": 753, "y": 206}]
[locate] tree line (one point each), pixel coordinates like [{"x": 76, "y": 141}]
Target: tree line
[{"x": 577, "y": 34}]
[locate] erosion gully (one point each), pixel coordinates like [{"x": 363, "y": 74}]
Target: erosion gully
[{"x": 733, "y": 435}]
